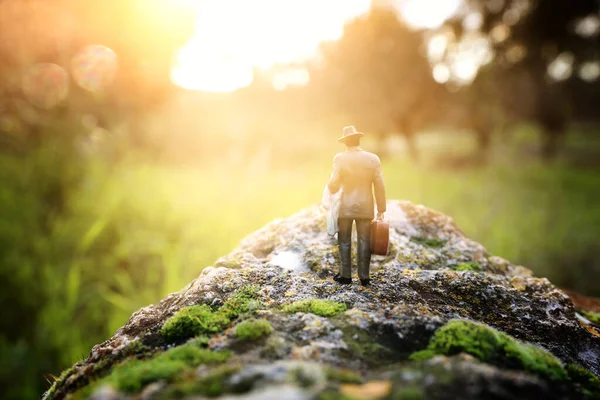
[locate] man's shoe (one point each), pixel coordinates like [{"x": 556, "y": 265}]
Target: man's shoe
[
  {"x": 365, "y": 282},
  {"x": 344, "y": 281}
]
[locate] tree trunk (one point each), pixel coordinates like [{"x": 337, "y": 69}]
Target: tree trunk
[{"x": 411, "y": 145}]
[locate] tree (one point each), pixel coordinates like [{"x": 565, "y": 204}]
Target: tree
[
  {"x": 377, "y": 74},
  {"x": 528, "y": 36}
]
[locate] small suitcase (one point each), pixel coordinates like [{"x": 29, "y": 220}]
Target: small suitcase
[{"x": 380, "y": 237}]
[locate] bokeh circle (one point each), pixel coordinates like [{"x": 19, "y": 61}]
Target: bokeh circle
[
  {"x": 45, "y": 85},
  {"x": 94, "y": 67}
]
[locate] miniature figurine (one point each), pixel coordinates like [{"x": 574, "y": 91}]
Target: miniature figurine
[{"x": 356, "y": 173}]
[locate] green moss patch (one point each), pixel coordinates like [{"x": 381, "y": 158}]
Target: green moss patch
[
  {"x": 332, "y": 394},
  {"x": 211, "y": 385},
  {"x": 59, "y": 382},
  {"x": 429, "y": 242},
  {"x": 342, "y": 375},
  {"x": 363, "y": 345},
  {"x": 132, "y": 375},
  {"x": 252, "y": 329},
  {"x": 203, "y": 320},
  {"x": 587, "y": 383},
  {"x": 244, "y": 301},
  {"x": 408, "y": 393},
  {"x": 491, "y": 346},
  {"x": 191, "y": 321},
  {"x": 470, "y": 266},
  {"x": 134, "y": 347},
  {"x": 324, "y": 308}
]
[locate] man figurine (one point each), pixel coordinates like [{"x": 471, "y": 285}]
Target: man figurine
[{"x": 356, "y": 172}]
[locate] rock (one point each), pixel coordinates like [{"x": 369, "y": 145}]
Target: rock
[{"x": 442, "y": 318}]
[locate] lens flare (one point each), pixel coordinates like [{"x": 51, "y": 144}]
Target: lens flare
[
  {"x": 45, "y": 85},
  {"x": 94, "y": 67},
  {"x": 441, "y": 73},
  {"x": 589, "y": 71},
  {"x": 562, "y": 67}
]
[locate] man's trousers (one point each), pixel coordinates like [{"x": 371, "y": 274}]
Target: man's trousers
[{"x": 363, "y": 230}]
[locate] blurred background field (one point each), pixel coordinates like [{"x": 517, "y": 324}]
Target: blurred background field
[{"x": 136, "y": 150}]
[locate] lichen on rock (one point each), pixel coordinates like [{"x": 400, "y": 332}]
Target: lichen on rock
[{"x": 267, "y": 320}]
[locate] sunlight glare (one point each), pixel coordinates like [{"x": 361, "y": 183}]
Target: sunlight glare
[
  {"x": 291, "y": 77},
  {"x": 233, "y": 37},
  {"x": 427, "y": 14}
]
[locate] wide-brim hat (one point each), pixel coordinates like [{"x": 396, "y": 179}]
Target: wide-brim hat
[{"x": 348, "y": 132}]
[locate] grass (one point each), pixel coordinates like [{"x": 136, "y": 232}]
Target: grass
[
  {"x": 324, "y": 308},
  {"x": 491, "y": 346},
  {"x": 167, "y": 212}
]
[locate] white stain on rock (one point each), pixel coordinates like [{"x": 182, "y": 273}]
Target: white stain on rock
[
  {"x": 289, "y": 260},
  {"x": 398, "y": 219}
]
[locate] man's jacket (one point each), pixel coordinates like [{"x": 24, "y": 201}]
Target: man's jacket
[{"x": 358, "y": 172}]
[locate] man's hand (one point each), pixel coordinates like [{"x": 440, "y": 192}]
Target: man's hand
[{"x": 379, "y": 216}]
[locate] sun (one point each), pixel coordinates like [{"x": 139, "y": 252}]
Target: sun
[{"x": 233, "y": 38}]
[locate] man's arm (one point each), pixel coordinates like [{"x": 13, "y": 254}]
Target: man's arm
[
  {"x": 379, "y": 190},
  {"x": 335, "y": 180}
]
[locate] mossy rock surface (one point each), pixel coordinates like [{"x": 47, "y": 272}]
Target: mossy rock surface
[
  {"x": 324, "y": 308},
  {"x": 470, "y": 266},
  {"x": 491, "y": 346},
  {"x": 253, "y": 329},
  {"x": 267, "y": 321}
]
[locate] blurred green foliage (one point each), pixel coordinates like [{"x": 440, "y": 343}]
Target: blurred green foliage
[{"x": 84, "y": 242}]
